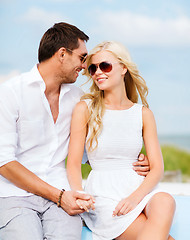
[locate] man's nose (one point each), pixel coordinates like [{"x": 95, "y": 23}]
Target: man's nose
[{"x": 84, "y": 65}]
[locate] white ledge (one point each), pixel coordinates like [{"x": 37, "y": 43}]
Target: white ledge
[{"x": 175, "y": 188}]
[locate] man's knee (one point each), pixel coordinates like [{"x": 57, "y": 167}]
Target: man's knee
[
  {"x": 57, "y": 224},
  {"x": 20, "y": 224}
]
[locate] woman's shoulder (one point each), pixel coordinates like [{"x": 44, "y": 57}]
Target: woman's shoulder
[
  {"x": 87, "y": 101},
  {"x": 147, "y": 115},
  {"x": 81, "y": 106},
  {"x": 146, "y": 111}
]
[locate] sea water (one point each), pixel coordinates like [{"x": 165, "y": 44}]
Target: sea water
[{"x": 179, "y": 141}]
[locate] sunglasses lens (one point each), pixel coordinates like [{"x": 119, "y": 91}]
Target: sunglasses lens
[
  {"x": 105, "y": 67},
  {"x": 84, "y": 59},
  {"x": 92, "y": 69}
]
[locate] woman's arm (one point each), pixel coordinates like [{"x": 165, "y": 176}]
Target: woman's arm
[
  {"x": 153, "y": 151},
  {"x": 78, "y": 134},
  {"x": 76, "y": 145},
  {"x": 156, "y": 165}
]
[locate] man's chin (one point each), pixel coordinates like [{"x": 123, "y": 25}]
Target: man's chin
[{"x": 70, "y": 81}]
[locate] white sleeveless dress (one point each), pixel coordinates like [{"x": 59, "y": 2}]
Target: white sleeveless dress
[{"x": 112, "y": 177}]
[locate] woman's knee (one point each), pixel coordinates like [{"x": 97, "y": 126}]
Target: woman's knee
[
  {"x": 166, "y": 201},
  {"x": 161, "y": 203}
]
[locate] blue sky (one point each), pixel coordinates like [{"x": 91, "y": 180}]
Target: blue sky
[{"x": 156, "y": 33}]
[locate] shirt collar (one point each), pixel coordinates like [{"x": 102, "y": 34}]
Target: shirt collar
[
  {"x": 64, "y": 89},
  {"x": 37, "y": 78}
]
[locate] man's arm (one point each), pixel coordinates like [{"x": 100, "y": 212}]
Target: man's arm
[
  {"x": 142, "y": 166},
  {"x": 15, "y": 172},
  {"x": 28, "y": 181}
]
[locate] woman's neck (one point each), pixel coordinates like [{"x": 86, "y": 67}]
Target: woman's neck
[{"x": 119, "y": 101}]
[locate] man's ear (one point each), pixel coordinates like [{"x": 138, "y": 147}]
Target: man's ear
[{"x": 61, "y": 53}]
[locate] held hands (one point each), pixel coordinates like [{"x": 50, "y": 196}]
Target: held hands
[
  {"x": 142, "y": 166},
  {"x": 72, "y": 202},
  {"x": 86, "y": 204}
]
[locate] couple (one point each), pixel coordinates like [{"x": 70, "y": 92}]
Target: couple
[{"x": 35, "y": 113}]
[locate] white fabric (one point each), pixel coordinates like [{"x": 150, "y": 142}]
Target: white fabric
[
  {"x": 112, "y": 177},
  {"x": 28, "y": 133},
  {"x": 36, "y": 218}
]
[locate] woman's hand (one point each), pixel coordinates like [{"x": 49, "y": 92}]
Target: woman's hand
[
  {"x": 126, "y": 205},
  {"x": 86, "y": 205}
]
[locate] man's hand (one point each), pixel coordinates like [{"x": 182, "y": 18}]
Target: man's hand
[
  {"x": 86, "y": 205},
  {"x": 69, "y": 204},
  {"x": 142, "y": 166}
]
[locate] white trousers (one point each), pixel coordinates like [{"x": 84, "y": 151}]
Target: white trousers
[{"x": 36, "y": 218}]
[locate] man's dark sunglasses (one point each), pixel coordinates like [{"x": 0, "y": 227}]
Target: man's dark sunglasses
[{"x": 82, "y": 57}]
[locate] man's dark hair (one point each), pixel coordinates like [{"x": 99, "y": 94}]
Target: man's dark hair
[{"x": 60, "y": 35}]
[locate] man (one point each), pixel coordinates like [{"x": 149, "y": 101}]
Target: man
[{"x": 35, "y": 114}]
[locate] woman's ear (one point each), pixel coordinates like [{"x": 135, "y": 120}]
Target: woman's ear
[{"x": 124, "y": 70}]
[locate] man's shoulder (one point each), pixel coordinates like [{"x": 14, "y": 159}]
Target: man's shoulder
[
  {"x": 75, "y": 88},
  {"x": 16, "y": 80},
  {"x": 75, "y": 91},
  {"x": 10, "y": 84}
]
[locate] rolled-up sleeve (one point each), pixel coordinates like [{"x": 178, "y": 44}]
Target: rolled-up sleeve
[{"x": 8, "y": 130}]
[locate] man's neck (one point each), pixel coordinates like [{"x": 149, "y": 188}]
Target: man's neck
[{"x": 47, "y": 71}]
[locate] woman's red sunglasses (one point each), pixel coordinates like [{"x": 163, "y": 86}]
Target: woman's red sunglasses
[{"x": 104, "y": 67}]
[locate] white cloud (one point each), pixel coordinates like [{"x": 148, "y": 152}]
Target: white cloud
[
  {"x": 136, "y": 29},
  {"x": 4, "y": 77},
  {"x": 39, "y": 16}
]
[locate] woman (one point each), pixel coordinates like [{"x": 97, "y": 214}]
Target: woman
[{"x": 113, "y": 126}]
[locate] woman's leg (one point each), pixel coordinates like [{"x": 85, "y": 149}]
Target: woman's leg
[
  {"x": 134, "y": 229},
  {"x": 155, "y": 222},
  {"x": 159, "y": 212}
]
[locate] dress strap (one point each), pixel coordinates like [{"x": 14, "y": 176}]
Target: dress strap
[{"x": 87, "y": 101}]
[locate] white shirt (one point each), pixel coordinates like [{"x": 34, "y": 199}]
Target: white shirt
[{"x": 28, "y": 133}]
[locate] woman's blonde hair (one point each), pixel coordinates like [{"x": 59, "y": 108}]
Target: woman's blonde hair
[{"x": 135, "y": 86}]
